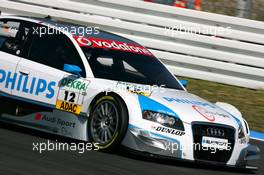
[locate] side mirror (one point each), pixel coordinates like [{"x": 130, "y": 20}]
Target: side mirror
[
  {"x": 184, "y": 82},
  {"x": 72, "y": 69}
]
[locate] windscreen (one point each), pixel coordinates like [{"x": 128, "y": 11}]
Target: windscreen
[{"x": 129, "y": 67}]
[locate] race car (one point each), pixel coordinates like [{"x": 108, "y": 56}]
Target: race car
[{"x": 102, "y": 88}]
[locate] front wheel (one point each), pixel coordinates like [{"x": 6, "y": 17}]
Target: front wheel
[{"x": 107, "y": 124}]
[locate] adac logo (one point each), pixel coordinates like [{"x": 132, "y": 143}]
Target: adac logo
[{"x": 26, "y": 84}]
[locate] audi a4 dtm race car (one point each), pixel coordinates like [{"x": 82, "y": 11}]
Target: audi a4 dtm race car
[{"x": 106, "y": 89}]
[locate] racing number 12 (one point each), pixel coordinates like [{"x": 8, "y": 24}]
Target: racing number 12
[{"x": 71, "y": 96}]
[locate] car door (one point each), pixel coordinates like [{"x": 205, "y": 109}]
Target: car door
[
  {"x": 11, "y": 46},
  {"x": 43, "y": 78}
]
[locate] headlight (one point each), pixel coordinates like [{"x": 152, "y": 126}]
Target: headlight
[
  {"x": 163, "y": 119},
  {"x": 241, "y": 132}
]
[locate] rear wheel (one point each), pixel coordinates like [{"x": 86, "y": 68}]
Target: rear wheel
[{"x": 107, "y": 124}]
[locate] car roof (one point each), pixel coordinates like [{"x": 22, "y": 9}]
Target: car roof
[{"x": 71, "y": 26}]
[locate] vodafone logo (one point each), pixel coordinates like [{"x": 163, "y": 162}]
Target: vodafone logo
[
  {"x": 84, "y": 41},
  {"x": 114, "y": 45},
  {"x": 204, "y": 112}
]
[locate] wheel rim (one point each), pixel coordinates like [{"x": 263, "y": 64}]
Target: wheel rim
[{"x": 104, "y": 123}]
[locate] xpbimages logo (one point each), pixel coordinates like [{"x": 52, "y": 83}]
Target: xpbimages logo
[
  {"x": 26, "y": 84},
  {"x": 74, "y": 30},
  {"x": 42, "y": 147}
]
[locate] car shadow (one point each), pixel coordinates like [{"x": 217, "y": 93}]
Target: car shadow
[{"x": 126, "y": 152}]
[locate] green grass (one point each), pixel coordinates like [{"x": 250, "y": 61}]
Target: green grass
[
  {"x": 229, "y": 7},
  {"x": 249, "y": 102}
]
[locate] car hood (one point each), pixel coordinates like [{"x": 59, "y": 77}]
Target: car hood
[{"x": 189, "y": 107}]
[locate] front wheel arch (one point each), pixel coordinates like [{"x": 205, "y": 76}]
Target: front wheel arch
[{"x": 124, "y": 124}]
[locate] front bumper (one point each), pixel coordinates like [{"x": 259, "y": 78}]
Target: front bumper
[
  {"x": 155, "y": 144},
  {"x": 251, "y": 152}
]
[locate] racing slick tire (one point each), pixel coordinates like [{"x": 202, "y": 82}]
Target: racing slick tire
[{"x": 108, "y": 122}]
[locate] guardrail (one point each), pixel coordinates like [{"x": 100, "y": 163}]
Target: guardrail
[{"x": 195, "y": 44}]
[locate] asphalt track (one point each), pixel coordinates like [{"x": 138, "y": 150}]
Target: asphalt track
[{"x": 17, "y": 158}]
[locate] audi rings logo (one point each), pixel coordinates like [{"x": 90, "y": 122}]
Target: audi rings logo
[{"x": 215, "y": 132}]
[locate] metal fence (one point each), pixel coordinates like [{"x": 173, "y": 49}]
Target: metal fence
[{"x": 195, "y": 44}]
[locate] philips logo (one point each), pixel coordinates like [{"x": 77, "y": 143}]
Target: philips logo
[
  {"x": 187, "y": 101},
  {"x": 22, "y": 83}
]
